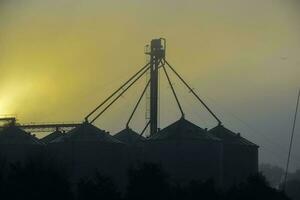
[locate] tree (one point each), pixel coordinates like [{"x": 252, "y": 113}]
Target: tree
[
  {"x": 147, "y": 181},
  {"x": 100, "y": 187},
  {"x": 195, "y": 190},
  {"x": 292, "y": 188},
  {"x": 2, "y": 172},
  {"x": 35, "y": 180},
  {"x": 274, "y": 174},
  {"x": 255, "y": 188}
]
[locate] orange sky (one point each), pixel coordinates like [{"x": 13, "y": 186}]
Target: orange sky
[{"x": 59, "y": 59}]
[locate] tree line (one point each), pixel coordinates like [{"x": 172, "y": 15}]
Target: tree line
[{"x": 37, "y": 179}]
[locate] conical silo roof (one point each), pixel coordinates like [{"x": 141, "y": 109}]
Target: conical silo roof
[
  {"x": 129, "y": 136},
  {"x": 52, "y": 136},
  {"x": 87, "y": 132},
  {"x": 183, "y": 130},
  {"x": 229, "y": 136},
  {"x": 15, "y": 135}
]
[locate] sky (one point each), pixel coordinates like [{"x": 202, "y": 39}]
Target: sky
[{"x": 60, "y": 59}]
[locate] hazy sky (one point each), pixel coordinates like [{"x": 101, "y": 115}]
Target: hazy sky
[{"x": 59, "y": 59}]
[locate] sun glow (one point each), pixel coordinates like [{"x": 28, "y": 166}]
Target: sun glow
[
  {"x": 5, "y": 105},
  {"x": 10, "y": 94}
]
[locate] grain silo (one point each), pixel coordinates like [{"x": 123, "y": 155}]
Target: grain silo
[
  {"x": 186, "y": 152},
  {"x": 129, "y": 136},
  {"x": 18, "y": 145},
  {"x": 240, "y": 156},
  {"x": 184, "y": 149},
  {"x": 135, "y": 145},
  {"x": 52, "y": 136},
  {"x": 87, "y": 148}
]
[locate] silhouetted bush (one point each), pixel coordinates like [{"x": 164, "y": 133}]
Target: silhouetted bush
[
  {"x": 147, "y": 181},
  {"x": 40, "y": 179},
  {"x": 196, "y": 190},
  {"x": 100, "y": 187},
  {"x": 255, "y": 188},
  {"x": 292, "y": 189},
  {"x": 295, "y": 175},
  {"x": 273, "y": 173},
  {"x": 200, "y": 189},
  {"x": 35, "y": 180},
  {"x": 2, "y": 172}
]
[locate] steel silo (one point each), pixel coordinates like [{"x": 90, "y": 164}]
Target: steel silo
[
  {"x": 240, "y": 156},
  {"x": 186, "y": 152}
]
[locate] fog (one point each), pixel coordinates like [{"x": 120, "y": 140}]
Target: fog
[{"x": 60, "y": 59}]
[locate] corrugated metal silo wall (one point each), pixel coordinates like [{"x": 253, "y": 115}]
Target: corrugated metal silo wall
[
  {"x": 12, "y": 153},
  {"x": 83, "y": 159},
  {"x": 240, "y": 161},
  {"x": 135, "y": 155},
  {"x": 187, "y": 160}
]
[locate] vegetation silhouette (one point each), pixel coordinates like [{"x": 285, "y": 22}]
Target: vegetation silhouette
[
  {"x": 255, "y": 188},
  {"x": 292, "y": 188},
  {"x": 147, "y": 181},
  {"x": 99, "y": 187},
  {"x": 35, "y": 179},
  {"x": 196, "y": 190},
  {"x": 273, "y": 173},
  {"x": 2, "y": 172},
  {"x": 41, "y": 179}
]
